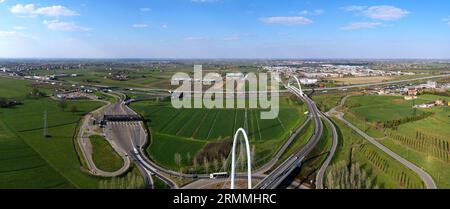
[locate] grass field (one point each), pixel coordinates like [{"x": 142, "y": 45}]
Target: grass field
[
  {"x": 10, "y": 88},
  {"x": 361, "y": 80},
  {"x": 188, "y": 131},
  {"x": 30, "y": 160},
  {"x": 327, "y": 101},
  {"x": 423, "y": 142},
  {"x": 144, "y": 78},
  {"x": 382, "y": 170},
  {"x": 367, "y": 112},
  {"x": 104, "y": 156}
]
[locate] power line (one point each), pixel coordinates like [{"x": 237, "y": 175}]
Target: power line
[{"x": 45, "y": 124}]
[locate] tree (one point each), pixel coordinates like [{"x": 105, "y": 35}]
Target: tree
[
  {"x": 3, "y": 102},
  {"x": 62, "y": 104},
  {"x": 178, "y": 160},
  {"x": 216, "y": 164},
  {"x": 206, "y": 164},
  {"x": 195, "y": 164},
  {"x": 188, "y": 157},
  {"x": 73, "y": 109}
]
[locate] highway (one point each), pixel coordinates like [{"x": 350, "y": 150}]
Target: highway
[
  {"x": 383, "y": 83},
  {"x": 277, "y": 176},
  {"x": 83, "y": 139},
  {"x": 263, "y": 169},
  {"x": 335, "y": 142},
  {"x": 131, "y": 137}
]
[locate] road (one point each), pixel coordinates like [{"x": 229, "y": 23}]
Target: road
[
  {"x": 335, "y": 142},
  {"x": 263, "y": 169},
  {"x": 131, "y": 137},
  {"x": 83, "y": 139},
  {"x": 383, "y": 83},
  {"x": 426, "y": 178},
  {"x": 277, "y": 176}
]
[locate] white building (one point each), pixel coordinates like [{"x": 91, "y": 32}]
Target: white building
[{"x": 308, "y": 81}]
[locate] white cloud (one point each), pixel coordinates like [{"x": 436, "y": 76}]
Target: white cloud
[
  {"x": 65, "y": 26},
  {"x": 10, "y": 34},
  {"x": 22, "y": 9},
  {"x": 385, "y": 12},
  {"x": 447, "y": 19},
  {"x": 51, "y": 11},
  {"x": 1, "y": 1},
  {"x": 315, "y": 12},
  {"x": 354, "y": 8},
  {"x": 19, "y": 28},
  {"x": 192, "y": 38},
  {"x": 145, "y": 9},
  {"x": 361, "y": 25},
  {"x": 13, "y": 34},
  {"x": 164, "y": 26},
  {"x": 140, "y": 26},
  {"x": 380, "y": 12},
  {"x": 297, "y": 20},
  {"x": 234, "y": 37}
]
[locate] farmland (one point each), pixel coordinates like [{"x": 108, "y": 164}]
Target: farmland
[
  {"x": 10, "y": 88},
  {"x": 364, "y": 159},
  {"x": 30, "y": 160},
  {"x": 187, "y": 131},
  {"x": 423, "y": 141}
]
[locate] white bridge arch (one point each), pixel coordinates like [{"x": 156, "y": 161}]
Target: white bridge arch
[
  {"x": 299, "y": 84},
  {"x": 233, "y": 159}
]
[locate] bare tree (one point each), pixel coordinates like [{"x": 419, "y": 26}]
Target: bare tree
[{"x": 178, "y": 160}]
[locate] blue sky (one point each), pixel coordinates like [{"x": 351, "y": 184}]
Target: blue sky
[{"x": 225, "y": 29}]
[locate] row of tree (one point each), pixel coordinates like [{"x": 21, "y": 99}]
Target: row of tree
[
  {"x": 343, "y": 176},
  {"x": 436, "y": 147},
  {"x": 376, "y": 159},
  {"x": 381, "y": 163},
  {"x": 217, "y": 163},
  {"x": 130, "y": 181},
  {"x": 396, "y": 123}
]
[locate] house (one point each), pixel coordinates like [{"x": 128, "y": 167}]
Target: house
[
  {"x": 429, "y": 105},
  {"x": 412, "y": 92},
  {"x": 384, "y": 92},
  {"x": 439, "y": 102}
]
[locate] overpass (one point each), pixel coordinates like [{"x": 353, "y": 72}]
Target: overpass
[{"x": 122, "y": 118}]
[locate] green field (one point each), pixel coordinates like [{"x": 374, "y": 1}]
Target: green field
[
  {"x": 424, "y": 142},
  {"x": 369, "y": 112},
  {"x": 188, "y": 131},
  {"x": 381, "y": 170},
  {"x": 30, "y": 160},
  {"x": 144, "y": 78},
  {"x": 10, "y": 88},
  {"x": 327, "y": 101},
  {"x": 104, "y": 156}
]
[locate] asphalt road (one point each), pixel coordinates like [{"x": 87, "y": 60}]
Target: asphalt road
[
  {"x": 275, "y": 178},
  {"x": 131, "y": 137},
  {"x": 335, "y": 142},
  {"x": 83, "y": 138},
  {"x": 283, "y": 149}
]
